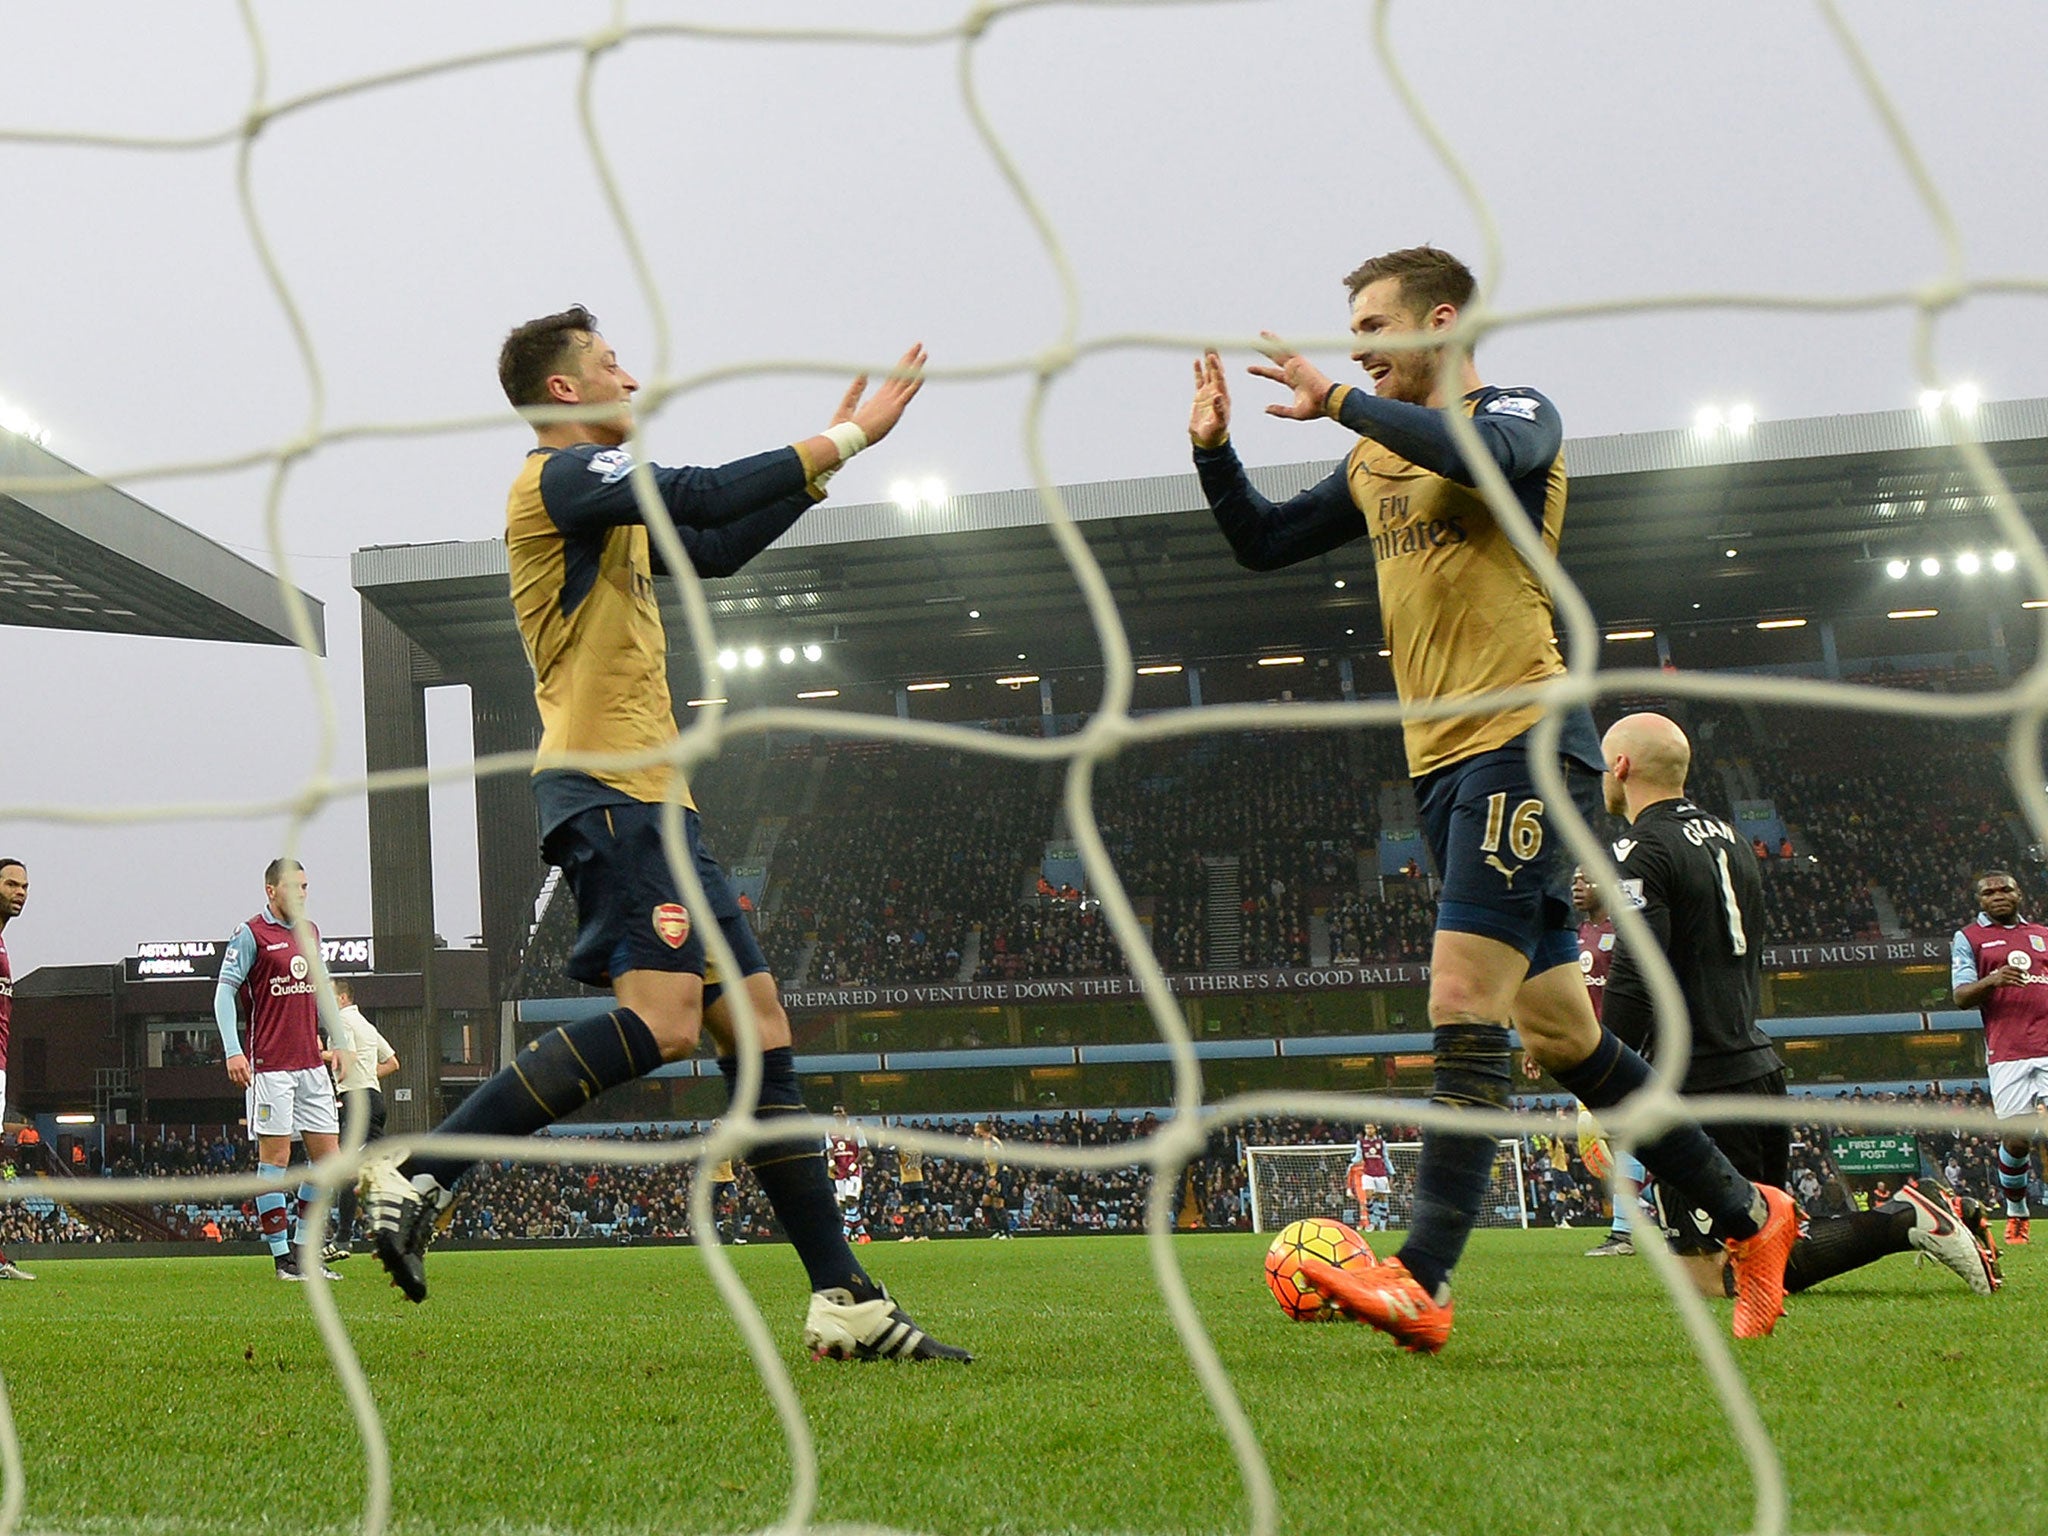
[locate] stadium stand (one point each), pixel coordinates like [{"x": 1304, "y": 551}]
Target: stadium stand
[
  {"x": 891, "y": 864},
  {"x": 978, "y": 1195}
]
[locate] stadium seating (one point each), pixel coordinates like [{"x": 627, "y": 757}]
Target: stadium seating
[{"x": 967, "y": 1197}]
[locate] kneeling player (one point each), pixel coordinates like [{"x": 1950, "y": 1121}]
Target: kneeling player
[
  {"x": 583, "y": 592},
  {"x": 1695, "y": 882}
]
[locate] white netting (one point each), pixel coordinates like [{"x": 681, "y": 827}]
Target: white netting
[
  {"x": 1112, "y": 727},
  {"x": 1294, "y": 1183},
  {"x": 1297, "y": 1182}
]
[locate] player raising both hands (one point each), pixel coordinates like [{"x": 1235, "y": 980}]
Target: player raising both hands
[
  {"x": 1465, "y": 617},
  {"x": 583, "y": 591}
]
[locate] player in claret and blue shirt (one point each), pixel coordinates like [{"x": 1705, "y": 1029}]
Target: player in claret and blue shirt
[
  {"x": 13, "y": 897},
  {"x": 1466, "y": 617},
  {"x": 1999, "y": 965},
  {"x": 583, "y": 574},
  {"x": 267, "y": 977}
]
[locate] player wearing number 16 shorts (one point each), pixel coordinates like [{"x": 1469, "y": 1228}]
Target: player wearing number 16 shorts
[{"x": 1465, "y": 617}]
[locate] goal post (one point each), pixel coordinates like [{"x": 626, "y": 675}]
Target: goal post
[{"x": 1293, "y": 1182}]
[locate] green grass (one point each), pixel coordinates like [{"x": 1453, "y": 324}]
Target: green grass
[{"x": 605, "y": 1390}]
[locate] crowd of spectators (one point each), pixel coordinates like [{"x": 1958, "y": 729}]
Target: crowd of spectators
[
  {"x": 904, "y": 850},
  {"x": 1916, "y": 811},
  {"x": 978, "y": 1191},
  {"x": 903, "y": 858},
  {"x": 1050, "y": 937},
  {"x": 1398, "y": 926}
]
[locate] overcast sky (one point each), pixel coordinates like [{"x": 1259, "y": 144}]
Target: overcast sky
[{"x": 1211, "y": 169}]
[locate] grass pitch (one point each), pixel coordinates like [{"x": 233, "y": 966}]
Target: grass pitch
[{"x": 604, "y": 1390}]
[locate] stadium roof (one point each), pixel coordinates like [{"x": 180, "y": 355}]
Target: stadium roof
[
  {"x": 1812, "y": 510},
  {"x": 94, "y": 558}
]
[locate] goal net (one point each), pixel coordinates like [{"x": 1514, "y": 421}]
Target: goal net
[{"x": 1292, "y": 1183}]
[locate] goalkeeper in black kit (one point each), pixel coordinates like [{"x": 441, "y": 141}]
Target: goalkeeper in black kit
[{"x": 1694, "y": 880}]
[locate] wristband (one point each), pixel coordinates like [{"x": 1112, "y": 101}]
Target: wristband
[{"x": 848, "y": 438}]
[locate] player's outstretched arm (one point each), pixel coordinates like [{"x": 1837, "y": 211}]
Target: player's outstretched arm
[
  {"x": 1264, "y": 535},
  {"x": 1521, "y": 430},
  {"x": 586, "y": 489},
  {"x": 722, "y": 551}
]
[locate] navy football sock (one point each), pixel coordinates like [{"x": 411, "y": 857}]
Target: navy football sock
[
  {"x": 561, "y": 1071},
  {"x": 1684, "y": 1157},
  {"x": 792, "y": 1175},
  {"x": 1456, "y": 1167}
]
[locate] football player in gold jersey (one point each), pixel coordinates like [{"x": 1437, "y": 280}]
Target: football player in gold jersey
[
  {"x": 582, "y": 586},
  {"x": 1465, "y": 617}
]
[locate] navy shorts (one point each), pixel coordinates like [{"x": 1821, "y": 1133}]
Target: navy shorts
[
  {"x": 1506, "y": 874},
  {"x": 629, "y": 911}
]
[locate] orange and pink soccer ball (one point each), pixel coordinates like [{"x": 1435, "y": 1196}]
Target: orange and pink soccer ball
[{"x": 1317, "y": 1237}]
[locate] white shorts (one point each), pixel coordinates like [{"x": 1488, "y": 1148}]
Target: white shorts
[
  {"x": 847, "y": 1190},
  {"x": 1373, "y": 1183},
  {"x": 293, "y": 1103},
  {"x": 2017, "y": 1086},
  {"x": 3, "y": 1093}
]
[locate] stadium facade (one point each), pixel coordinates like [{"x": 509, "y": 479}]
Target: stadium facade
[
  {"x": 1768, "y": 550},
  {"x": 79, "y": 554}
]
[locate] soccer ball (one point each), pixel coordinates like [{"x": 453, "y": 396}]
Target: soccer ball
[
  {"x": 1318, "y": 1237},
  {"x": 1593, "y": 1146}
]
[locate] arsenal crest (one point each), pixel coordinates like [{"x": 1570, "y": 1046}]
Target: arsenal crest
[{"x": 672, "y": 923}]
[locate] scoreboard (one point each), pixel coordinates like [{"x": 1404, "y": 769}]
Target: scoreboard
[{"x": 189, "y": 959}]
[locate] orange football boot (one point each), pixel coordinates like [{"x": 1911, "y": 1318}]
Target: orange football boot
[
  {"x": 1386, "y": 1296},
  {"x": 1759, "y": 1265},
  {"x": 2016, "y": 1231}
]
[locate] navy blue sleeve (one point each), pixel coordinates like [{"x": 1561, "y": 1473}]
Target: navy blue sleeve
[
  {"x": 1519, "y": 427},
  {"x": 1266, "y": 535},
  {"x": 587, "y": 489},
  {"x": 722, "y": 551}
]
